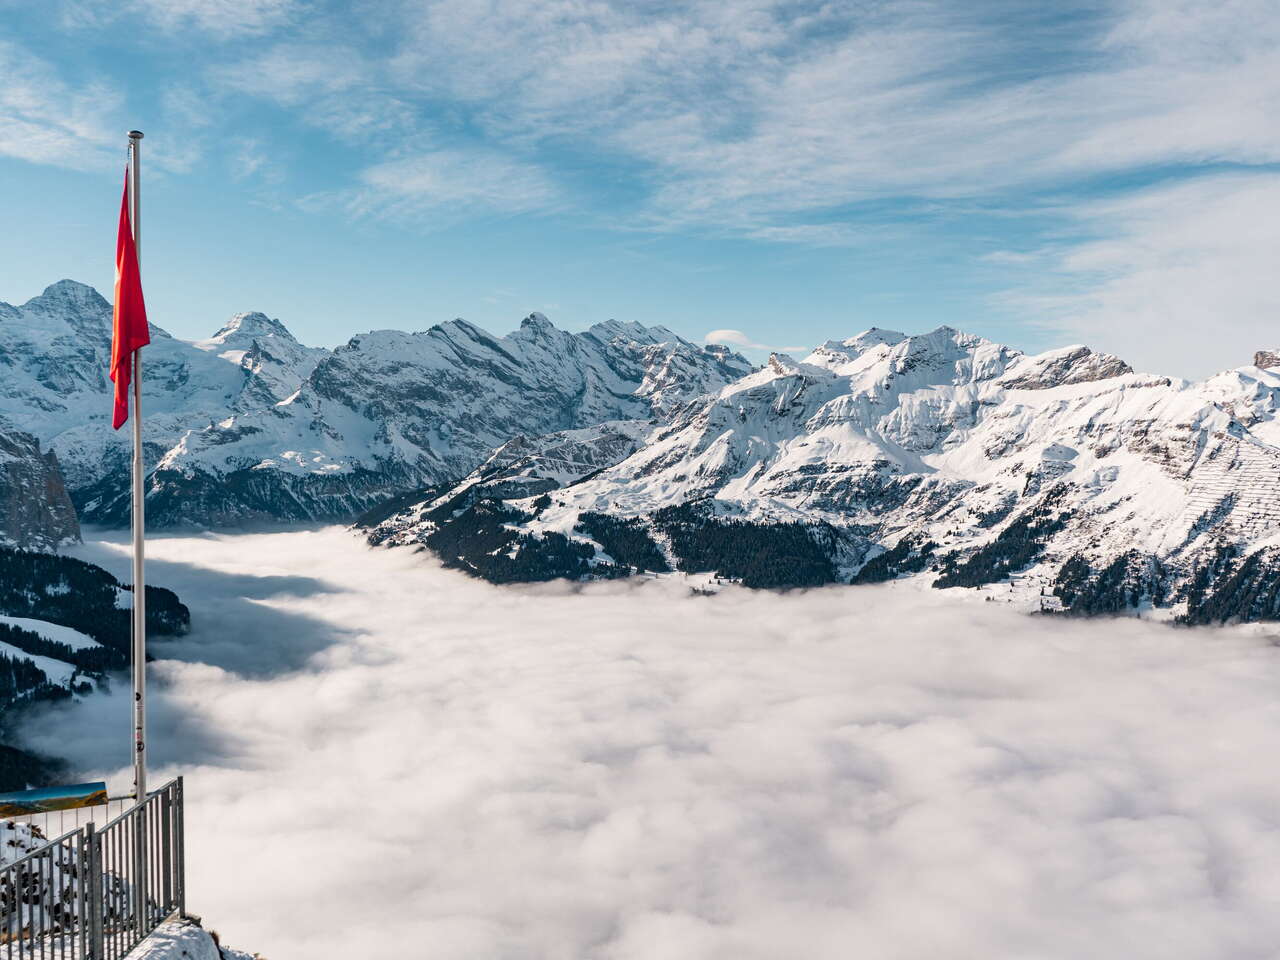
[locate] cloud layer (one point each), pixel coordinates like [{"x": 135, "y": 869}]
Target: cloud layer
[{"x": 630, "y": 772}]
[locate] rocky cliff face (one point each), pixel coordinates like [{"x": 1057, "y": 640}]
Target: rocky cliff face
[
  {"x": 1064, "y": 479},
  {"x": 1267, "y": 359},
  {"x": 35, "y": 511}
]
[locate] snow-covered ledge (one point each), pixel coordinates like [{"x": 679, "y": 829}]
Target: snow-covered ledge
[{"x": 184, "y": 940}]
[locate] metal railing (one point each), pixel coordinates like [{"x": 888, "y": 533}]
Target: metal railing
[{"x": 95, "y": 894}]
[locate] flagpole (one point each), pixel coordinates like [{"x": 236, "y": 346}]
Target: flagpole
[{"x": 139, "y": 520}]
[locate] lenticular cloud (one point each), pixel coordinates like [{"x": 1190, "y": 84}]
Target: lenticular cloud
[{"x": 389, "y": 760}]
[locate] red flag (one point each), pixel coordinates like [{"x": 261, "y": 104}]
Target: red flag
[{"x": 130, "y": 315}]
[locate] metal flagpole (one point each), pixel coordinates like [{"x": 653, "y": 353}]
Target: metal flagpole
[
  {"x": 139, "y": 521},
  {"x": 139, "y": 871}
]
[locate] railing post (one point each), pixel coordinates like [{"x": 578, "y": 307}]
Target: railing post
[
  {"x": 166, "y": 849},
  {"x": 96, "y": 944},
  {"x": 140, "y": 868},
  {"x": 180, "y": 857}
]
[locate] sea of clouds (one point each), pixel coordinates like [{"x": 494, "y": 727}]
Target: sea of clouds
[{"x": 389, "y": 760}]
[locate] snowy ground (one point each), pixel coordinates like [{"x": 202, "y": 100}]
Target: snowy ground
[{"x": 385, "y": 760}]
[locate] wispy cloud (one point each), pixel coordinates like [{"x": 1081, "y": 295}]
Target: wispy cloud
[
  {"x": 769, "y": 108},
  {"x": 222, "y": 18},
  {"x": 452, "y": 180},
  {"x": 334, "y": 87},
  {"x": 252, "y": 159},
  {"x": 48, "y": 120},
  {"x": 783, "y": 121},
  {"x": 1178, "y": 278},
  {"x": 765, "y": 116},
  {"x": 294, "y": 74}
]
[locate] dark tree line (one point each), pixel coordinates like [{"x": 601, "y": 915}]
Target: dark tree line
[
  {"x": 89, "y": 659},
  {"x": 760, "y": 555},
  {"x": 18, "y": 676},
  {"x": 1122, "y": 585},
  {"x": 82, "y": 596},
  {"x": 386, "y": 509},
  {"x": 1250, "y": 591},
  {"x": 1017, "y": 547},
  {"x": 481, "y": 540},
  {"x": 906, "y": 556},
  {"x": 20, "y": 769},
  {"x": 1209, "y": 572},
  {"x": 626, "y": 540}
]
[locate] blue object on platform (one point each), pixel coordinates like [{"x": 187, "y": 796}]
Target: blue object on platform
[{"x": 22, "y": 803}]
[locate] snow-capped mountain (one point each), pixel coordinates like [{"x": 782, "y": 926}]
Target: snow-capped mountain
[
  {"x": 943, "y": 455},
  {"x": 250, "y": 424},
  {"x": 35, "y": 511},
  {"x": 274, "y": 362},
  {"x": 392, "y": 411},
  {"x": 54, "y": 353}
]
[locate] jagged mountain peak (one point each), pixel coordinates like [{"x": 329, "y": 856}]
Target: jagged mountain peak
[
  {"x": 839, "y": 353},
  {"x": 1267, "y": 359},
  {"x": 462, "y": 332},
  {"x": 72, "y": 292},
  {"x": 1062, "y": 366},
  {"x": 951, "y": 336},
  {"x": 942, "y": 356},
  {"x": 392, "y": 410},
  {"x": 243, "y": 328},
  {"x": 632, "y": 331},
  {"x": 876, "y": 335},
  {"x": 63, "y": 306},
  {"x": 784, "y": 365},
  {"x": 718, "y": 350},
  {"x": 870, "y": 346}
]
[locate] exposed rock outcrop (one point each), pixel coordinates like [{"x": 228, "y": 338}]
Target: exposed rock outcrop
[{"x": 35, "y": 511}]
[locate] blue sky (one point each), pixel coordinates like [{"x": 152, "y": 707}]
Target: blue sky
[{"x": 771, "y": 173}]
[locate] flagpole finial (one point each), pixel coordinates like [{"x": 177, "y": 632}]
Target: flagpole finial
[{"x": 135, "y": 134}]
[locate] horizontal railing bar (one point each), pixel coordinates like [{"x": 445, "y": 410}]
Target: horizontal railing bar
[{"x": 134, "y": 809}]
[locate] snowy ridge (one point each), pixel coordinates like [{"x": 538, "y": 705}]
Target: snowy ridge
[
  {"x": 250, "y": 424},
  {"x": 390, "y": 411},
  {"x": 958, "y": 460}
]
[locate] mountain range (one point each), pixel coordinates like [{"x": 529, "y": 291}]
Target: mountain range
[
  {"x": 251, "y": 425},
  {"x": 1065, "y": 479}
]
